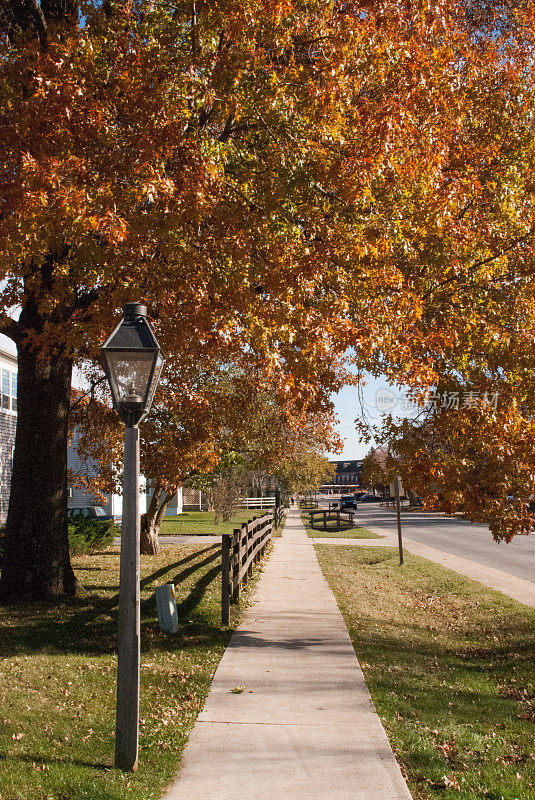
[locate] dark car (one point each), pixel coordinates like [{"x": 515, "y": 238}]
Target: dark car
[
  {"x": 348, "y": 501},
  {"x": 90, "y": 512},
  {"x": 369, "y": 498}
]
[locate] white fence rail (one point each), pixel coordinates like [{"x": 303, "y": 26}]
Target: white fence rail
[{"x": 257, "y": 502}]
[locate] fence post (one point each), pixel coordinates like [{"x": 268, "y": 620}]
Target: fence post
[
  {"x": 236, "y": 564},
  {"x": 243, "y": 558},
  {"x": 257, "y": 535},
  {"x": 251, "y": 533},
  {"x": 225, "y": 579}
]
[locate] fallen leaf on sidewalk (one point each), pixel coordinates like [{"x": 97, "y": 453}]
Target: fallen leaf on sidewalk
[{"x": 238, "y": 690}]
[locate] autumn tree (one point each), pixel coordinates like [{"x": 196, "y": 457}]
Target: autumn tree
[
  {"x": 198, "y": 436},
  {"x": 285, "y": 178},
  {"x": 472, "y": 450},
  {"x": 142, "y": 158},
  {"x": 179, "y": 439},
  {"x": 227, "y": 485},
  {"x": 187, "y": 434},
  {"x": 379, "y": 469},
  {"x": 305, "y": 472}
]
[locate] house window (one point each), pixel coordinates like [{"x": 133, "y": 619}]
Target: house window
[
  {"x": 13, "y": 391},
  {"x": 5, "y": 388}
]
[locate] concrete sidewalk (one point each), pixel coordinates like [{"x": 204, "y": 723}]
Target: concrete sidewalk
[
  {"x": 304, "y": 727},
  {"x": 510, "y": 585}
]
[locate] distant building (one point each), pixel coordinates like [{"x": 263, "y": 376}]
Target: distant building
[{"x": 347, "y": 477}]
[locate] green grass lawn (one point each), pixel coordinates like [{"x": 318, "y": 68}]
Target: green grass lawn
[
  {"x": 350, "y": 533},
  {"x": 58, "y": 680},
  {"x": 450, "y": 666},
  {"x": 199, "y": 523}
]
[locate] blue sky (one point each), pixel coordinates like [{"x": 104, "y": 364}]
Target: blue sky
[{"x": 348, "y": 407}]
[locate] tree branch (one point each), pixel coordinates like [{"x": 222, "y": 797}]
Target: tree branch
[
  {"x": 10, "y": 327},
  {"x": 477, "y": 264}
]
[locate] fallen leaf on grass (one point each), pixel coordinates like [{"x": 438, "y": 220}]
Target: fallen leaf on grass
[{"x": 446, "y": 783}]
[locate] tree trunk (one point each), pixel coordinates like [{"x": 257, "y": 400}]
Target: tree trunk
[
  {"x": 36, "y": 563},
  {"x": 151, "y": 521},
  {"x": 148, "y": 538}
]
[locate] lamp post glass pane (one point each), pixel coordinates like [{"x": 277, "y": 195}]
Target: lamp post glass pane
[
  {"x": 130, "y": 375},
  {"x": 155, "y": 378}
]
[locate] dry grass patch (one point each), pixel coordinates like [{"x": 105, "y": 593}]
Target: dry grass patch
[
  {"x": 450, "y": 665},
  {"x": 58, "y": 680}
]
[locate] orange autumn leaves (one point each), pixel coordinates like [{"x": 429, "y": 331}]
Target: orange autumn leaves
[{"x": 282, "y": 183}]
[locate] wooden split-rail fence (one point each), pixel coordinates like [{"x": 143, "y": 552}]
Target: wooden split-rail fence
[
  {"x": 343, "y": 520},
  {"x": 241, "y": 550}
]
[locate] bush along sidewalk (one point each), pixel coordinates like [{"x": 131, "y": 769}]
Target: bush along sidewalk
[
  {"x": 449, "y": 664},
  {"x": 89, "y": 535},
  {"x": 58, "y": 679}
]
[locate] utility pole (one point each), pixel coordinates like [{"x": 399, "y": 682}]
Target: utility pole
[{"x": 397, "y": 481}]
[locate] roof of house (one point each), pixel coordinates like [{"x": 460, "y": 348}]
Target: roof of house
[{"x": 348, "y": 466}]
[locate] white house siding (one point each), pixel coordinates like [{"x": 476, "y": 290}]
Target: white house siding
[
  {"x": 77, "y": 496},
  {"x": 8, "y": 419},
  {"x": 176, "y": 504},
  {"x": 113, "y": 503}
]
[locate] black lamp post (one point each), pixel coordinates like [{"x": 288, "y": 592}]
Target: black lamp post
[{"x": 133, "y": 362}]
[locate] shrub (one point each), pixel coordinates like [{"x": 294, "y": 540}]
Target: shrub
[
  {"x": 88, "y": 535},
  {"x": 85, "y": 536}
]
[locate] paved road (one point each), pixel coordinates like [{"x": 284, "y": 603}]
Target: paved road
[{"x": 473, "y": 542}]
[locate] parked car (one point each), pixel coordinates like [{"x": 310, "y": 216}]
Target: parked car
[
  {"x": 369, "y": 498},
  {"x": 90, "y": 512},
  {"x": 348, "y": 501}
]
